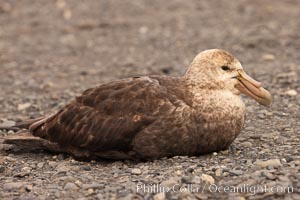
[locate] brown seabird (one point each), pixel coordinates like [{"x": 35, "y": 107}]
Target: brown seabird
[{"x": 150, "y": 117}]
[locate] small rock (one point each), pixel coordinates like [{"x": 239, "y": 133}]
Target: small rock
[
  {"x": 269, "y": 163},
  {"x": 201, "y": 196},
  {"x": 268, "y": 57},
  {"x": 40, "y": 164},
  {"x": 28, "y": 188},
  {"x": 2, "y": 168},
  {"x": 70, "y": 186},
  {"x": 291, "y": 93},
  {"x": 185, "y": 194},
  {"x": 186, "y": 179},
  {"x": 296, "y": 162},
  {"x": 86, "y": 168},
  {"x": 7, "y": 123},
  {"x": 100, "y": 196},
  {"x": 190, "y": 170},
  {"x": 67, "y": 14},
  {"x": 52, "y": 164},
  {"x": 61, "y": 156},
  {"x": 27, "y": 169},
  {"x": 68, "y": 179},
  {"x": 60, "y": 4},
  {"x": 118, "y": 164},
  {"x": 62, "y": 168},
  {"x": 226, "y": 160},
  {"x": 196, "y": 180},
  {"x": 268, "y": 175},
  {"x": 159, "y": 196},
  {"x": 236, "y": 172},
  {"x": 246, "y": 144},
  {"x": 207, "y": 178},
  {"x": 13, "y": 186},
  {"x": 261, "y": 116},
  {"x": 178, "y": 173},
  {"x": 236, "y": 198},
  {"x": 281, "y": 140},
  {"x": 249, "y": 162},
  {"x": 23, "y": 106},
  {"x": 219, "y": 172},
  {"x": 87, "y": 176},
  {"x": 225, "y": 174},
  {"x": 87, "y": 24},
  {"x": 169, "y": 183},
  {"x": 225, "y": 152},
  {"x": 10, "y": 159},
  {"x": 143, "y": 30},
  {"x": 198, "y": 171},
  {"x": 136, "y": 171},
  {"x": 93, "y": 186},
  {"x": 215, "y": 153},
  {"x": 284, "y": 178},
  {"x": 288, "y": 158},
  {"x": 255, "y": 136},
  {"x": 21, "y": 174},
  {"x": 132, "y": 196},
  {"x": 91, "y": 191},
  {"x": 78, "y": 182}
]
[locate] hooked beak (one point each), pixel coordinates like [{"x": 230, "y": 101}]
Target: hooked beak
[{"x": 253, "y": 89}]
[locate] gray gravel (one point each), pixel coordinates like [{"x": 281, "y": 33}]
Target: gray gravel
[{"x": 50, "y": 51}]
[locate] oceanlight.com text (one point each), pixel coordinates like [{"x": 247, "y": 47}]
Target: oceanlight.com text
[{"x": 213, "y": 188}]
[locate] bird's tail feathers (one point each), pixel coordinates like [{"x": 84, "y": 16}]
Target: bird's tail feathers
[
  {"x": 24, "y": 140},
  {"x": 22, "y": 125}
]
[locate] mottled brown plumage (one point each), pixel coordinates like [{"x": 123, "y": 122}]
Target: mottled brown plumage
[{"x": 154, "y": 116}]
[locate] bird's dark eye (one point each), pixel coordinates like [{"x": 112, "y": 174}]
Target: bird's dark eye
[{"x": 225, "y": 68}]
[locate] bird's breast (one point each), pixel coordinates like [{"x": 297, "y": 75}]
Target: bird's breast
[
  {"x": 218, "y": 106},
  {"x": 218, "y": 118}
]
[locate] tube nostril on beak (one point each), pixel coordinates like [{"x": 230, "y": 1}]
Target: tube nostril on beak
[{"x": 245, "y": 76}]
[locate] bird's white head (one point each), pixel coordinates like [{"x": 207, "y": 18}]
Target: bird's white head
[{"x": 216, "y": 69}]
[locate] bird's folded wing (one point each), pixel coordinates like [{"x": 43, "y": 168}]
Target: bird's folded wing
[{"x": 106, "y": 117}]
